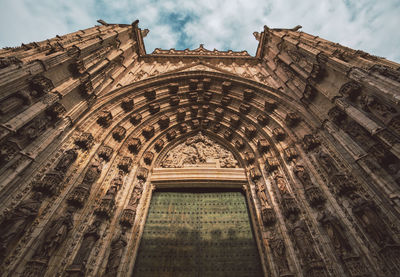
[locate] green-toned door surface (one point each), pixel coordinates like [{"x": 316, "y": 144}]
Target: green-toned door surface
[{"x": 198, "y": 233}]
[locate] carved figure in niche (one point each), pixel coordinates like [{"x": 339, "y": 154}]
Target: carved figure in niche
[
  {"x": 15, "y": 223},
  {"x": 89, "y": 239},
  {"x": 93, "y": 171},
  {"x": 366, "y": 212},
  {"x": 262, "y": 196},
  {"x": 137, "y": 193},
  {"x": 327, "y": 163},
  {"x": 280, "y": 182},
  {"x": 55, "y": 235},
  {"x": 336, "y": 233},
  {"x": 33, "y": 129},
  {"x": 196, "y": 150},
  {"x": 303, "y": 241},
  {"x": 278, "y": 249},
  {"x": 303, "y": 175},
  {"x": 372, "y": 104},
  {"x": 117, "y": 248},
  {"x": 66, "y": 160}
]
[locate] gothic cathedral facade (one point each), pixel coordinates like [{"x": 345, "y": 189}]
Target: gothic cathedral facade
[{"x": 115, "y": 162}]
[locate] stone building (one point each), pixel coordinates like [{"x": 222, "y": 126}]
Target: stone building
[{"x": 115, "y": 162}]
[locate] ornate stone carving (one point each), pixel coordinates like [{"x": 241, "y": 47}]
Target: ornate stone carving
[
  {"x": 163, "y": 121},
  {"x": 337, "y": 115},
  {"x": 351, "y": 89},
  {"x": 142, "y": 173},
  {"x": 78, "y": 266},
  {"x": 292, "y": 119},
  {"x": 235, "y": 121},
  {"x": 263, "y": 145},
  {"x": 148, "y": 157},
  {"x": 271, "y": 164},
  {"x": 154, "y": 108},
  {"x": 148, "y": 131},
  {"x": 67, "y": 159},
  {"x": 302, "y": 239},
  {"x": 268, "y": 215},
  {"x": 15, "y": 223},
  {"x": 310, "y": 142},
  {"x": 291, "y": 153},
  {"x": 336, "y": 233},
  {"x": 134, "y": 145},
  {"x": 180, "y": 114},
  {"x": 55, "y": 234},
  {"x": 248, "y": 94},
  {"x": 382, "y": 111},
  {"x": 56, "y": 111},
  {"x": 117, "y": 248},
  {"x": 105, "y": 152},
  {"x": 125, "y": 164},
  {"x": 173, "y": 88},
  {"x": 327, "y": 163},
  {"x": 255, "y": 173},
  {"x": 278, "y": 249},
  {"x": 171, "y": 134},
  {"x": 135, "y": 118},
  {"x": 342, "y": 184},
  {"x": 119, "y": 133},
  {"x": 262, "y": 120},
  {"x": 41, "y": 85},
  {"x": 196, "y": 150},
  {"x": 367, "y": 214},
  {"x": 85, "y": 141},
  {"x": 270, "y": 105},
  {"x": 50, "y": 184},
  {"x": 249, "y": 157},
  {"x": 159, "y": 145},
  {"x": 250, "y": 131},
  {"x": 127, "y": 104},
  {"x": 104, "y": 118},
  {"x": 8, "y": 61},
  {"x": 386, "y": 71},
  {"x": 279, "y": 133},
  {"x": 313, "y": 193}
]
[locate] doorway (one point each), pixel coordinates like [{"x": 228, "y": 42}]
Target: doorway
[{"x": 198, "y": 232}]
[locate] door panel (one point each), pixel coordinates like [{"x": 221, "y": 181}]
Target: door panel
[{"x": 198, "y": 233}]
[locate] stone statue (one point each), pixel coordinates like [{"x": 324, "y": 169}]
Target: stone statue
[
  {"x": 280, "y": 182},
  {"x": 303, "y": 175},
  {"x": 117, "y": 249},
  {"x": 93, "y": 171},
  {"x": 336, "y": 233},
  {"x": 17, "y": 221},
  {"x": 66, "y": 160},
  {"x": 261, "y": 193},
  {"x": 278, "y": 249},
  {"x": 327, "y": 163},
  {"x": 55, "y": 235},
  {"x": 366, "y": 213},
  {"x": 82, "y": 256},
  {"x": 303, "y": 241}
]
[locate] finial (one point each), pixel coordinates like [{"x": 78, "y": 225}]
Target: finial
[{"x": 135, "y": 23}]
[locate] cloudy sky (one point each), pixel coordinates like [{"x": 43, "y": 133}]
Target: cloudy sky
[{"x": 370, "y": 25}]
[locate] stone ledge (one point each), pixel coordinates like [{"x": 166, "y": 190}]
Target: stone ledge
[{"x": 198, "y": 177}]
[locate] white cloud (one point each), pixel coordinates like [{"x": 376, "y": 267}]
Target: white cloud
[{"x": 226, "y": 24}]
